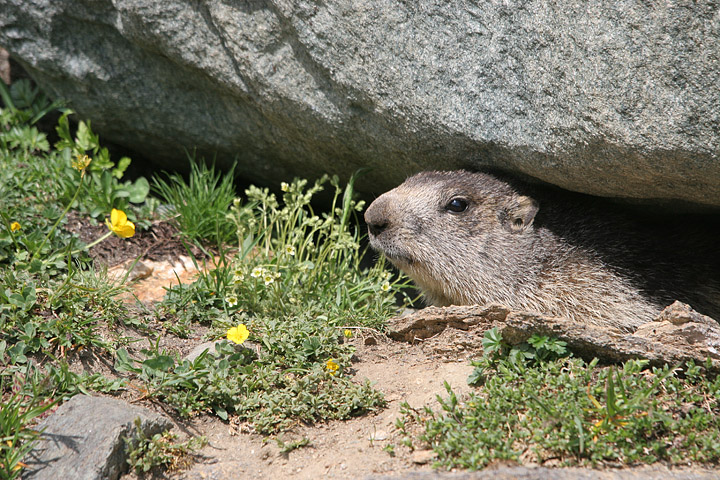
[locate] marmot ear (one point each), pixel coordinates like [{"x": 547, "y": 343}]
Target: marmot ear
[{"x": 520, "y": 214}]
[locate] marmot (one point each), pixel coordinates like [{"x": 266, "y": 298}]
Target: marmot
[{"x": 470, "y": 238}]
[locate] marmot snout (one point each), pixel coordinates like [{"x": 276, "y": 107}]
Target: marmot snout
[{"x": 469, "y": 238}]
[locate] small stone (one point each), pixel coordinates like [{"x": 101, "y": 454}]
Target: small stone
[
  {"x": 680, "y": 313},
  {"x": 197, "y": 351},
  {"x": 421, "y": 457}
]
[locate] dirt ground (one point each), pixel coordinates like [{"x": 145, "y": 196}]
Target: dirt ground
[{"x": 339, "y": 449}]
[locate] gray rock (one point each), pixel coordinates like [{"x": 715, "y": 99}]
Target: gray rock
[
  {"x": 614, "y": 98},
  {"x": 428, "y": 322},
  {"x": 200, "y": 349},
  {"x": 84, "y": 439},
  {"x": 678, "y": 335}
]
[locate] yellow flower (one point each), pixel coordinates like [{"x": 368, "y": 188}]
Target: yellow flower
[
  {"x": 238, "y": 334},
  {"x": 347, "y": 333},
  {"x": 14, "y": 227},
  {"x": 332, "y": 367},
  {"x": 284, "y": 187},
  {"x": 120, "y": 225},
  {"x": 80, "y": 163}
]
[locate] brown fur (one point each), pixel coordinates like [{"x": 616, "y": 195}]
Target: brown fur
[{"x": 554, "y": 255}]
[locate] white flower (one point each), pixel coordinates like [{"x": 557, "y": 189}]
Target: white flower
[
  {"x": 257, "y": 272},
  {"x": 290, "y": 250},
  {"x": 231, "y": 300},
  {"x": 268, "y": 279},
  {"x": 385, "y": 286},
  {"x": 284, "y": 187}
]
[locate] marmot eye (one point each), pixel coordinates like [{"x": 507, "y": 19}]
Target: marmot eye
[{"x": 457, "y": 205}]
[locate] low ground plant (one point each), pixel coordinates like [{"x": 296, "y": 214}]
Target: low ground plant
[
  {"x": 295, "y": 284},
  {"x": 161, "y": 451},
  {"x": 572, "y": 412},
  {"x": 290, "y": 261},
  {"x": 285, "y": 279},
  {"x": 53, "y": 301},
  {"x": 19, "y": 407}
]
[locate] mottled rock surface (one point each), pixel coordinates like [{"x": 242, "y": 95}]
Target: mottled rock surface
[
  {"x": 678, "y": 335},
  {"x": 614, "y": 98},
  {"x": 84, "y": 439}
]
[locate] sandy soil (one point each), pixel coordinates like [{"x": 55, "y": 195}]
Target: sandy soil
[{"x": 339, "y": 449}]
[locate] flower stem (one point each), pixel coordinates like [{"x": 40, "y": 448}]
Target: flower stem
[
  {"x": 62, "y": 215},
  {"x": 92, "y": 244}
]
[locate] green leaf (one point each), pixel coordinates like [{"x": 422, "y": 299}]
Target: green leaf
[
  {"x": 63, "y": 131},
  {"x": 122, "y": 165},
  {"x": 84, "y": 138},
  {"x": 611, "y": 399},
  {"x": 139, "y": 190},
  {"x": 161, "y": 363},
  {"x": 492, "y": 341},
  {"x": 123, "y": 362},
  {"x": 102, "y": 161}
]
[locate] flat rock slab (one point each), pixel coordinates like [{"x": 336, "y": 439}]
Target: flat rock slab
[
  {"x": 679, "y": 334},
  {"x": 84, "y": 439},
  {"x": 531, "y": 473}
]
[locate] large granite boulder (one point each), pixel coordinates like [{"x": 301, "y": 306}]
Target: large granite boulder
[{"x": 615, "y": 98}]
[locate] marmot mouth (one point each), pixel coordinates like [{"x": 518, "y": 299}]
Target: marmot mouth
[
  {"x": 398, "y": 259},
  {"x": 404, "y": 260}
]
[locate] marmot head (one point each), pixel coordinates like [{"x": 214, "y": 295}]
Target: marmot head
[{"x": 450, "y": 230}]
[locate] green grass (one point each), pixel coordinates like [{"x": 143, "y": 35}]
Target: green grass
[
  {"x": 573, "y": 413},
  {"x": 55, "y": 302},
  {"x": 296, "y": 283},
  {"x": 199, "y": 206}
]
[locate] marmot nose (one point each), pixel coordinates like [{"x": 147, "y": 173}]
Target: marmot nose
[
  {"x": 377, "y": 228},
  {"x": 376, "y": 218}
]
